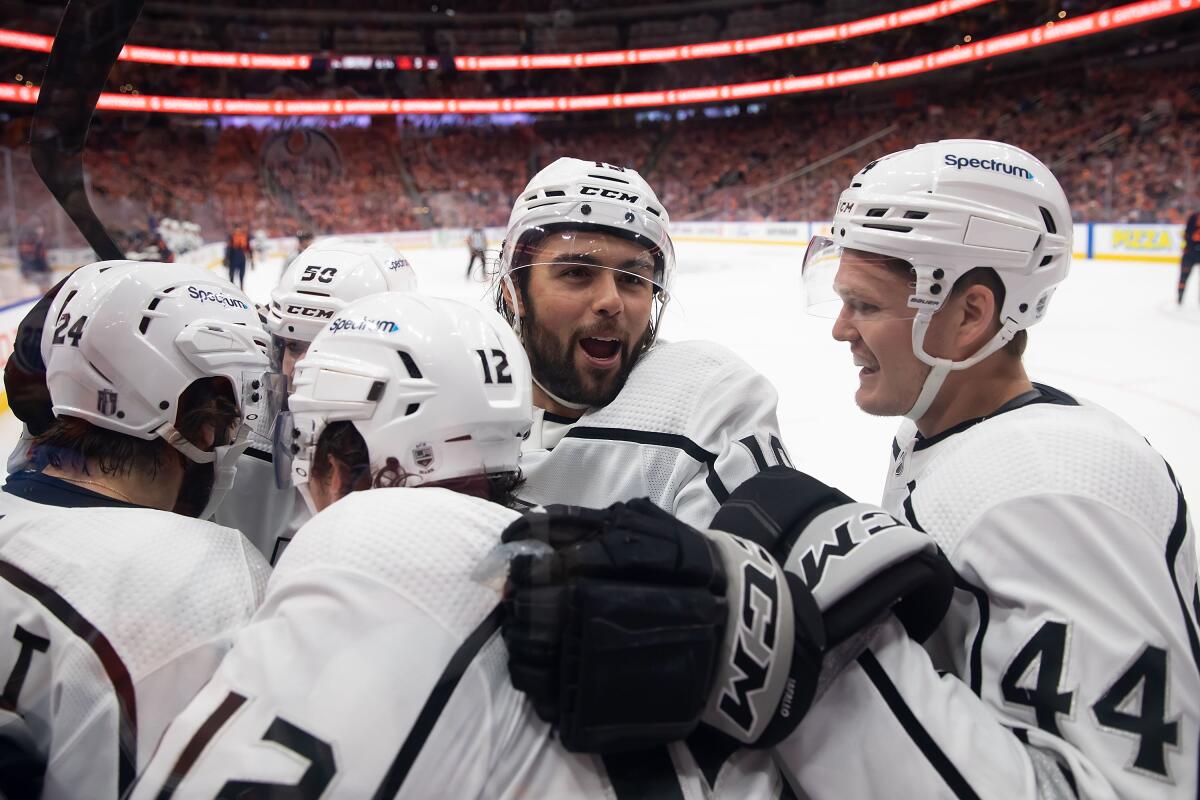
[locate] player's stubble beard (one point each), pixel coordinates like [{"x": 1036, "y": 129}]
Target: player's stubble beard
[{"x": 552, "y": 360}]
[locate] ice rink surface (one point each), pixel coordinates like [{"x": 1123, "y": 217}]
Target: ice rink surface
[{"x": 1113, "y": 335}]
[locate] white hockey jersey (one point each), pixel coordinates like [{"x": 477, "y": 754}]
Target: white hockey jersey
[
  {"x": 375, "y": 669},
  {"x": 112, "y": 617},
  {"x": 692, "y": 422},
  {"x": 1068, "y": 663}
]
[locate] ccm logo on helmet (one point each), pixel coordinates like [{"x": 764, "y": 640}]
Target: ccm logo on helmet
[
  {"x": 611, "y": 194},
  {"x": 990, "y": 164},
  {"x": 315, "y": 313},
  {"x": 205, "y": 296}
]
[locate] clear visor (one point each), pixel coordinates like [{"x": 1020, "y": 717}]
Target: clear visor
[
  {"x": 578, "y": 240},
  {"x": 855, "y": 285},
  {"x": 284, "y": 355}
]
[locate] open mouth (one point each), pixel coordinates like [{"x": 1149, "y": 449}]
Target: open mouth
[
  {"x": 602, "y": 351},
  {"x": 867, "y": 368}
]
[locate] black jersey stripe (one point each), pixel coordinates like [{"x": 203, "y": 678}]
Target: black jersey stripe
[
  {"x": 643, "y": 775},
  {"x": 909, "y": 514},
  {"x": 678, "y": 441},
  {"x": 200, "y": 739},
  {"x": 976, "y": 658},
  {"x": 912, "y": 726},
  {"x": 435, "y": 704},
  {"x": 113, "y": 667}
]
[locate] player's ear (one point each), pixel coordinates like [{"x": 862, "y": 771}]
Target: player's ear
[{"x": 977, "y": 319}]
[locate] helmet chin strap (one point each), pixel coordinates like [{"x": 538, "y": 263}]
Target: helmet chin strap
[
  {"x": 942, "y": 367},
  {"x": 559, "y": 400},
  {"x": 224, "y": 459}
]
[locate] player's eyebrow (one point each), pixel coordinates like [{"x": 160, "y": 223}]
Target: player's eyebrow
[
  {"x": 638, "y": 263},
  {"x": 575, "y": 258}
]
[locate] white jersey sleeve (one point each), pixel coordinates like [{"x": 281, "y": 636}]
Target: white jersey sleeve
[
  {"x": 691, "y": 424},
  {"x": 114, "y": 618},
  {"x": 1068, "y": 663}
]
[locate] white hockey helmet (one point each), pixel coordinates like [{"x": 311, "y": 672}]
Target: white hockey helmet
[
  {"x": 125, "y": 345},
  {"x": 946, "y": 208},
  {"x": 327, "y": 277},
  {"x": 572, "y": 196},
  {"x": 439, "y": 386},
  {"x": 93, "y": 275}
]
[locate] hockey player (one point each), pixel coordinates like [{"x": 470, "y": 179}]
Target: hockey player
[
  {"x": 316, "y": 285},
  {"x": 585, "y": 274},
  {"x": 477, "y": 244},
  {"x": 1067, "y": 664},
  {"x": 373, "y": 616},
  {"x": 117, "y": 603},
  {"x": 323, "y": 280}
]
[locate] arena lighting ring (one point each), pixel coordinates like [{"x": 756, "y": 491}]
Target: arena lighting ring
[
  {"x": 1030, "y": 38},
  {"x": 21, "y": 40}
]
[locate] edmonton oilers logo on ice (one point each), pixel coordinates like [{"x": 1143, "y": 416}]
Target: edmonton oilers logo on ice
[{"x": 423, "y": 456}]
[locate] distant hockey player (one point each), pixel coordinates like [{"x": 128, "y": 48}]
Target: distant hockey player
[
  {"x": 1191, "y": 252},
  {"x": 585, "y": 273},
  {"x": 362, "y": 675},
  {"x": 237, "y": 252},
  {"x": 117, "y": 602},
  {"x": 320, "y": 282},
  {"x": 477, "y": 244},
  {"x": 1067, "y": 663},
  {"x": 35, "y": 266}
]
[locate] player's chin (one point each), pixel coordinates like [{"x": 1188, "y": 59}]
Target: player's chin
[{"x": 876, "y": 401}]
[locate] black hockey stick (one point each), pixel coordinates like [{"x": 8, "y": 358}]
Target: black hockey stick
[{"x": 89, "y": 40}]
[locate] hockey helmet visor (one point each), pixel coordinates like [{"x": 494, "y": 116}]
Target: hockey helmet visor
[
  {"x": 856, "y": 285},
  {"x": 574, "y": 237}
]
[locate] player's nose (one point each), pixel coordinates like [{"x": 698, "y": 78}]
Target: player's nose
[
  {"x": 606, "y": 297},
  {"x": 843, "y": 328}
]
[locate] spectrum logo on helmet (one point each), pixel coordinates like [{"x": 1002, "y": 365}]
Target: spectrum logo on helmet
[
  {"x": 205, "y": 296},
  {"x": 990, "y": 164}
]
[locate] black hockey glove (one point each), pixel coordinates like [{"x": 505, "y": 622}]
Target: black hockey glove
[
  {"x": 611, "y": 634},
  {"x": 617, "y": 636}
]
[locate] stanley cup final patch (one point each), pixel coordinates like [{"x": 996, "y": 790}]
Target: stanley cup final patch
[{"x": 106, "y": 402}]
